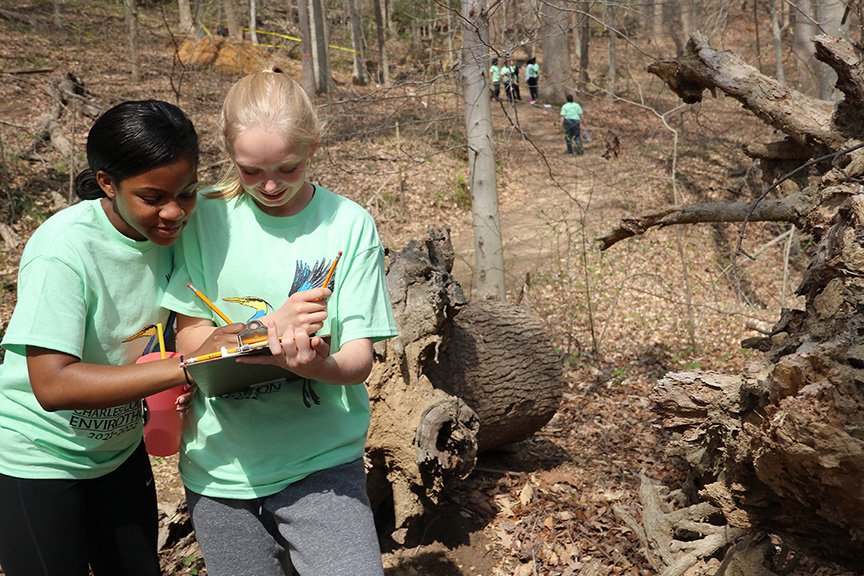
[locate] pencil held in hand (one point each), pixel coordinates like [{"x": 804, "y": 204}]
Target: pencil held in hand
[
  {"x": 209, "y": 303},
  {"x": 332, "y": 269}
]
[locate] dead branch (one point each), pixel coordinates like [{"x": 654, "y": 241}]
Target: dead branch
[
  {"x": 20, "y": 71},
  {"x": 807, "y": 120},
  {"x": 792, "y": 208},
  {"x": 845, "y": 59}
]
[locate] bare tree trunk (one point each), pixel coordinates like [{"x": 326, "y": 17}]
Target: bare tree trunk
[
  {"x": 777, "y": 38},
  {"x": 555, "y": 31},
  {"x": 488, "y": 250},
  {"x": 802, "y": 46},
  {"x": 131, "y": 7},
  {"x": 58, "y": 21},
  {"x": 381, "y": 29},
  {"x": 584, "y": 39},
  {"x": 361, "y": 76},
  {"x": 231, "y": 20},
  {"x": 253, "y": 21},
  {"x": 320, "y": 47},
  {"x": 830, "y": 20},
  {"x": 306, "y": 46},
  {"x": 612, "y": 81},
  {"x": 657, "y": 21},
  {"x": 187, "y": 25}
]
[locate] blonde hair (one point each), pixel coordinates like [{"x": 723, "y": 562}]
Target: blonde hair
[{"x": 267, "y": 99}]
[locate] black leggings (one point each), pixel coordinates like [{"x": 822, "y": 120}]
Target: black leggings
[{"x": 58, "y": 527}]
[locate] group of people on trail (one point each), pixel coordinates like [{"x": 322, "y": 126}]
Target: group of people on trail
[
  {"x": 508, "y": 76},
  {"x": 275, "y": 485},
  {"x": 571, "y": 112}
]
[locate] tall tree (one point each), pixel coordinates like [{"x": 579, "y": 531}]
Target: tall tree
[
  {"x": 802, "y": 46},
  {"x": 320, "y": 52},
  {"x": 231, "y": 19},
  {"x": 555, "y": 31},
  {"x": 361, "y": 76},
  {"x": 830, "y": 14},
  {"x": 777, "y": 40},
  {"x": 184, "y": 9},
  {"x": 612, "y": 81},
  {"x": 488, "y": 250},
  {"x": 253, "y": 21},
  {"x": 584, "y": 39},
  {"x": 381, "y": 29},
  {"x": 306, "y": 46},
  {"x": 131, "y": 9}
]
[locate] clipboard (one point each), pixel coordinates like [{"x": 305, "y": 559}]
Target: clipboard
[{"x": 224, "y": 375}]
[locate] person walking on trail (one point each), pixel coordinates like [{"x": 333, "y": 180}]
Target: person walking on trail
[
  {"x": 532, "y": 74},
  {"x": 495, "y": 77},
  {"x": 571, "y": 118}
]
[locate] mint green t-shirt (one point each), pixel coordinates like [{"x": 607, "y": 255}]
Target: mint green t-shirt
[
  {"x": 83, "y": 288},
  {"x": 571, "y": 111},
  {"x": 495, "y": 73},
  {"x": 256, "y": 442},
  {"x": 532, "y": 71}
]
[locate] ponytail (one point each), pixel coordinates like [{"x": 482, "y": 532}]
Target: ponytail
[{"x": 86, "y": 186}]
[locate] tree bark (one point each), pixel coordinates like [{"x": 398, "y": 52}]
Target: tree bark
[
  {"x": 253, "y": 21},
  {"x": 805, "y": 56},
  {"x": 555, "y": 32},
  {"x": 612, "y": 76},
  {"x": 488, "y": 246},
  {"x": 446, "y": 386},
  {"x": 381, "y": 33},
  {"x": 306, "y": 46},
  {"x": 779, "y": 448},
  {"x": 320, "y": 49},
  {"x": 231, "y": 20},
  {"x": 361, "y": 76},
  {"x": 584, "y": 42},
  {"x": 131, "y": 7},
  {"x": 187, "y": 26}
]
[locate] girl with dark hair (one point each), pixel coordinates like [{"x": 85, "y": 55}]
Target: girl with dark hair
[{"x": 76, "y": 488}]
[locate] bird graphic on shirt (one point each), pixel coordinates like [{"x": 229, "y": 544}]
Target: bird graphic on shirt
[
  {"x": 261, "y": 306},
  {"x": 152, "y": 331},
  {"x": 307, "y": 278}
]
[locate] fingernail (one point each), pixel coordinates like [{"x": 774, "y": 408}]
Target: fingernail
[{"x": 187, "y": 387}]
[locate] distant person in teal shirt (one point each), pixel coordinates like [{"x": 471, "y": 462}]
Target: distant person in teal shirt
[
  {"x": 532, "y": 76},
  {"x": 495, "y": 75},
  {"x": 571, "y": 118}
]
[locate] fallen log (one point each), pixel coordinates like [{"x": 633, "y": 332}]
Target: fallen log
[{"x": 460, "y": 377}]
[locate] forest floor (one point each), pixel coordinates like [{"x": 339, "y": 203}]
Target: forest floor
[{"x": 671, "y": 300}]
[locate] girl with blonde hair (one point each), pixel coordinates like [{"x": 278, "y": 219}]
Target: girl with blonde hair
[{"x": 274, "y": 474}]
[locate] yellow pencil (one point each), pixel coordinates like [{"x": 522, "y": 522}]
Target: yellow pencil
[
  {"x": 209, "y": 303},
  {"x": 219, "y": 354},
  {"x": 332, "y": 269},
  {"x": 161, "y": 335}
]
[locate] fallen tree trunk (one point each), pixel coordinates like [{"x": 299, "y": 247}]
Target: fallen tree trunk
[
  {"x": 779, "y": 449},
  {"x": 460, "y": 377}
]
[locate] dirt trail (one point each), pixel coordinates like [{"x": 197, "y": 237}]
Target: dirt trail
[{"x": 535, "y": 178}]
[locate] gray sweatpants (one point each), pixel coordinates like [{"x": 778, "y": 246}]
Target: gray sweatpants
[{"x": 322, "y": 525}]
